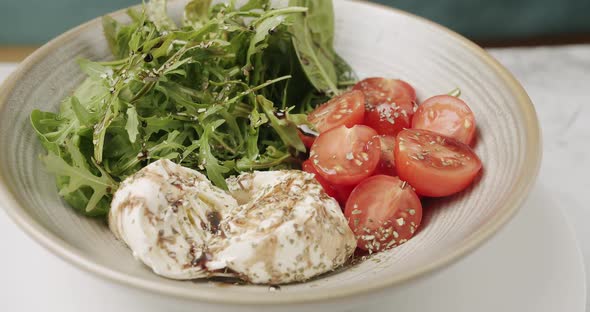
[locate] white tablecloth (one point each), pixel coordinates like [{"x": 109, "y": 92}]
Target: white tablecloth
[{"x": 558, "y": 81}]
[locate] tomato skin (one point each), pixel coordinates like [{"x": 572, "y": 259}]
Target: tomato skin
[
  {"x": 433, "y": 164},
  {"x": 306, "y": 139},
  {"x": 383, "y": 212},
  {"x": 343, "y": 193},
  {"x": 346, "y": 156},
  {"x": 389, "y": 104},
  {"x": 338, "y": 192},
  {"x": 308, "y": 167},
  {"x": 387, "y": 160},
  {"x": 347, "y": 109},
  {"x": 447, "y": 115}
]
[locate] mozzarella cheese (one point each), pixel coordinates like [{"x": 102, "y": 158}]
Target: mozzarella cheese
[
  {"x": 166, "y": 214},
  {"x": 289, "y": 229},
  {"x": 272, "y": 227}
]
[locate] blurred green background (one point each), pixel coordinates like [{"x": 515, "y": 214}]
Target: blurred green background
[{"x": 33, "y": 22}]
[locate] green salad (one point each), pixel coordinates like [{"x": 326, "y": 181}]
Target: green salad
[{"x": 222, "y": 92}]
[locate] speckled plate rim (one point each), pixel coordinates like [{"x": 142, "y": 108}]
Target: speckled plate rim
[{"x": 525, "y": 181}]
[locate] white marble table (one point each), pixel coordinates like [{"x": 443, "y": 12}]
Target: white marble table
[{"x": 556, "y": 78}]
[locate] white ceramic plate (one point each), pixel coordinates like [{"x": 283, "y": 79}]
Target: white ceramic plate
[
  {"x": 534, "y": 264},
  {"x": 375, "y": 41}
]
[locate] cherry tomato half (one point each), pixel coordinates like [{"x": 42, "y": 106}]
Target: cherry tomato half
[
  {"x": 433, "y": 164},
  {"x": 383, "y": 212},
  {"x": 389, "y": 104},
  {"x": 347, "y": 109},
  {"x": 346, "y": 156},
  {"x": 338, "y": 192},
  {"x": 387, "y": 160},
  {"x": 447, "y": 115},
  {"x": 308, "y": 167},
  {"x": 307, "y": 139}
]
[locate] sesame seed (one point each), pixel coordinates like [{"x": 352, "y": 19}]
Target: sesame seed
[
  {"x": 412, "y": 212},
  {"x": 349, "y": 156},
  {"x": 357, "y": 211},
  {"x": 467, "y": 123},
  {"x": 400, "y": 221},
  {"x": 390, "y": 244}
]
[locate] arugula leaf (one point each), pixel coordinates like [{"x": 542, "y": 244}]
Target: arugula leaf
[
  {"x": 132, "y": 124},
  {"x": 286, "y": 130},
  {"x": 110, "y": 28},
  {"x": 77, "y": 175},
  {"x": 222, "y": 94},
  {"x": 215, "y": 171},
  {"x": 196, "y": 13},
  {"x": 100, "y": 129},
  {"x": 313, "y": 39},
  {"x": 156, "y": 11},
  {"x": 255, "y": 4}
]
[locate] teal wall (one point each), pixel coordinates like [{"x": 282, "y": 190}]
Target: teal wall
[
  {"x": 504, "y": 19},
  {"x": 36, "y": 21}
]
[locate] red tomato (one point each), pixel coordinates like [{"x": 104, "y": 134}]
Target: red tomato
[
  {"x": 308, "y": 167},
  {"x": 383, "y": 212},
  {"x": 347, "y": 109},
  {"x": 386, "y": 161},
  {"x": 433, "y": 164},
  {"x": 342, "y": 193},
  {"x": 390, "y": 104},
  {"x": 447, "y": 115},
  {"x": 307, "y": 139},
  {"x": 338, "y": 192},
  {"x": 345, "y": 156}
]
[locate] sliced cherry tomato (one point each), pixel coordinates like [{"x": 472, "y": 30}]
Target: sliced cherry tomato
[
  {"x": 383, "y": 212},
  {"x": 339, "y": 192},
  {"x": 308, "y": 167},
  {"x": 447, "y": 115},
  {"x": 433, "y": 164},
  {"x": 387, "y": 160},
  {"x": 347, "y": 109},
  {"x": 307, "y": 139},
  {"x": 345, "y": 156},
  {"x": 342, "y": 193},
  {"x": 389, "y": 104}
]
